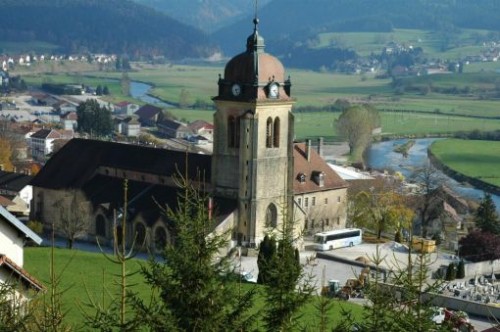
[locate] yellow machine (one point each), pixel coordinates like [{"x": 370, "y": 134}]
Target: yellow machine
[{"x": 423, "y": 245}]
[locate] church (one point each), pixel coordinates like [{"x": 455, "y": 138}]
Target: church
[{"x": 257, "y": 175}]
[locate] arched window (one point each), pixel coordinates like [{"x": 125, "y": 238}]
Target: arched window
[
  {"x": 231, "y": 131},
  {"x": 100, "y": 226},
  {"x": 160, "y": 238},
  {"x": 276, "y": 133},
  {"x": 269, "y": 133},
  {"x": 271, "y": 216},
  {"x": 140, "y": 234}
]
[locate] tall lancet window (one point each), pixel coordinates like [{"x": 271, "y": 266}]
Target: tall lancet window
[
  {"x": 276, "y": 133},
  {"x": 269, "y": 133}
]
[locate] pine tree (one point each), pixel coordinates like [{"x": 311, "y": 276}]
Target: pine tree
[
  {"x": 194, "y": 292},
  {"x": 289, "y": 287},
  {"x": 486, "y": 217},
  {"x": 267, "y": 251}
]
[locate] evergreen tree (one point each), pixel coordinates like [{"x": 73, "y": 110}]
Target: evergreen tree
[
  {"x": 289, "y": 288},
  {"x": 98, "y": 90},
  {"x": 265, "y": 259},
  {"x": 461, "y": 269},
  {"x": 105, "y": 90},
  {"x": 94, "y": 119},
  {"x": 451, "y": 272},
  {"x": 486, "y": 217},
  {"x": 192, "y": 283}
]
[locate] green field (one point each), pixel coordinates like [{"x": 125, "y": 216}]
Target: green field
[
  {"x": 365, "y": 43},
  {"x": 476, "y": 159},
  {"x": 91, "y": 273}
]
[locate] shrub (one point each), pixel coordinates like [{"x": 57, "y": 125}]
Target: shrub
[{"x": 480, "y": 246}]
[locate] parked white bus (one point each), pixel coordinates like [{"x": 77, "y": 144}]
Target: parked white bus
[{"x": 337, "y": 239}]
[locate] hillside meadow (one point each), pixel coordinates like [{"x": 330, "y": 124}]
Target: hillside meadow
[
  {"x": 473, "y": 158},
  {"x": 85, "y": 274}
]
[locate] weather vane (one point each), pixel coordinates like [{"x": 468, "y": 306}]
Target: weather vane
[{"x": 256, "y": 20}]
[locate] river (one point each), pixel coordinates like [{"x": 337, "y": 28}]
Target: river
[
  {"x": 139, "y": 90},
  {"x": 381, "y": 156}
]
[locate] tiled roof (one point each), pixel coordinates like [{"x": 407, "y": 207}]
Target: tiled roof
[
  {"x": 173, "y": 125},
  {"x": 14, "y": 181},
  {"x": 46, "y": 133},
  {"x": 4, "y": 201},
  {"x": 70, "y": 116},
  {"x": 6, "y": 262},
  {"x": 148, "y": 111},
  {"x": 76, "y": 162},
  {"x": 122, "y": 104},
  {"x": 308, "y": 168},
  {"x": 200, "y": 124}
]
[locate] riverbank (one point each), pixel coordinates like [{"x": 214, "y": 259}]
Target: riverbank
[{"x": 459, "y": 176}]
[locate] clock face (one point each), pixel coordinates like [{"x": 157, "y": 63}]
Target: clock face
[
  {"x": 236, "y": 89},
  {"x": 273, "y": 90}
]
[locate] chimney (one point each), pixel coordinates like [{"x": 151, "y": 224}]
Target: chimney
[
  {"x": 320, "y": 147},
  {"x": 308, "y": 149}
]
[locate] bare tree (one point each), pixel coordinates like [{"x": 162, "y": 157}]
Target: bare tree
[
  {"x": 72, "y": 219},
  {"x": 429, "y": 179}
]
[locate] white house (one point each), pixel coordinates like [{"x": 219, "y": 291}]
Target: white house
[
  {"x": 16, "y": 187},
  {"x": 13, "y": 236},
  {"x": 41, "y": 143}
]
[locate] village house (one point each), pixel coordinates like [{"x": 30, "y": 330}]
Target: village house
[
  {"x": 13, "y": 237},
  {"x": 173, "y": 129},
  {"x": 41, "y": 143},
  {"x": 148, "y": 115},
  {"x": 126, "y": 108},
  {"x": 69, "y": 121},
  {"x": 16, "y": 188}
]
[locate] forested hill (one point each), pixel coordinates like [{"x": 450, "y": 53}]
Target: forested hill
[
  {"x": 111, "y": 26},
  {"x": 208, "y": 15},
  {"x": 299, "y": 20}
]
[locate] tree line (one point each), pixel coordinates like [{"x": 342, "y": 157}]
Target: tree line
[{"x": 115, "y": 26}]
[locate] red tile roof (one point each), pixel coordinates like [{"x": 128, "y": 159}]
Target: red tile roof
[
  {"x": 21, "y": 273},
  {"x": 315, "y": 164}
]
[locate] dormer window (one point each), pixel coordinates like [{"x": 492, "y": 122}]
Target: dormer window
[
  {"x": 319, "y": 178},
  {"x": 301, "y": 177}
]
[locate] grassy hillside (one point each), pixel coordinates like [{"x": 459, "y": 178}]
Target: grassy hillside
[{"x": 86, "y": 274}]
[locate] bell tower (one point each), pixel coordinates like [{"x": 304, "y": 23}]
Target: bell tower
[{"x": 252, "y": 159}]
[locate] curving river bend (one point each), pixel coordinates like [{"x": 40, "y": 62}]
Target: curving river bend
[{"x": 381, "y": 156}]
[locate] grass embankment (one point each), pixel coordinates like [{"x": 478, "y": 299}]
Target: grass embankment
[
  {"x": 84, "y": 274},
  {"x": 474, "y": 159}
]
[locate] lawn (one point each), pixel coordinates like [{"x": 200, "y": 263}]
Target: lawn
[
  {"x": 84, "y": 274},
  {"x": 476, "y": 159}
]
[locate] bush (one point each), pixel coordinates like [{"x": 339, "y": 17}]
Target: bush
[
  {"x": 480, "y": 246},
  {"x": 35, "y": 226}
]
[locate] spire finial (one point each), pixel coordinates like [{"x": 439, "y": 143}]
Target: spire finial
[{"x": 256, "y": 19}]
